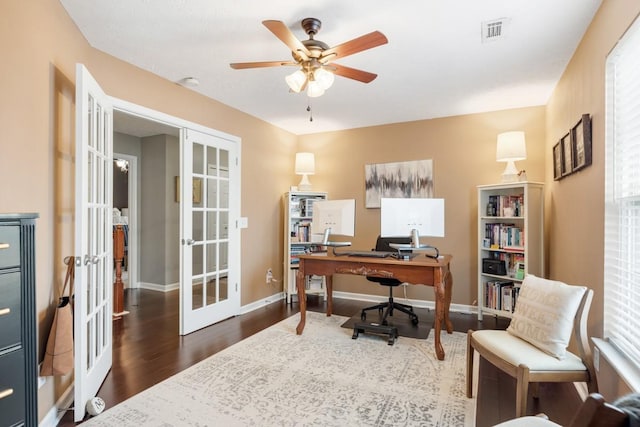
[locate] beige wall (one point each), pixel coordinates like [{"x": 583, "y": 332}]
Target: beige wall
[
  {"x": 41, "y": 45},
  {"x": 575, "y": 205},
  {"x": 463, "y": 152}
]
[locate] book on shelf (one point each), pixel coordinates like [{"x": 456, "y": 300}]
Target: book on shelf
[
  {"x": 301, "y": 231},
  {"x": 504, "y": 236},
  {"x": 500, "y": 295},
  {"x": 505, "y": 205}
]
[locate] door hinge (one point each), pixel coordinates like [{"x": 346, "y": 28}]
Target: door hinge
[
  {"x": 236, "y": 287},
  {"x": 236, "y": 161}
]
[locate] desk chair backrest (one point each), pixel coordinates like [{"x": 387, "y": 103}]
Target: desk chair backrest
[{"x": 383, "y": 244}]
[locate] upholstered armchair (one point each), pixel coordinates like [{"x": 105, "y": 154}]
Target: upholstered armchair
[{"x": 533, "y": 349}]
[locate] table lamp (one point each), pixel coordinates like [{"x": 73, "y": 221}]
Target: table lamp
[
  {"x": 305, "y": 165},
  {"x": 511, "y": 148}
]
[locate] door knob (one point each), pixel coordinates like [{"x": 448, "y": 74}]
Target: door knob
[{"x": 91, "y": 259}]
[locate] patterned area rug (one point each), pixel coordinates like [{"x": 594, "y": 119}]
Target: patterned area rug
[{"x": 320, "y": 378}]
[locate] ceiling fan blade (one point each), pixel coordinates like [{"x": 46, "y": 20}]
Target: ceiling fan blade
[
  {"x": 281, "y": 31},
  {"x": 352, "y": 73},
  {"x": 262, "y": 64},
  {"x": 368, "y": 41}
]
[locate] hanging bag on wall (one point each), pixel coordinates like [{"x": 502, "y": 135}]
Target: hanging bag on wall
[{"x": 58, "y": 357}]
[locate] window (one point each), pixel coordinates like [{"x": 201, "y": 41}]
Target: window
[{"x": 622, "y": 196}]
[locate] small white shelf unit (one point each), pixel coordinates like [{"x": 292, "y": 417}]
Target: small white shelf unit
[
  {"x": 510, "y": 230},
  {"x": 298, "y": 215}
]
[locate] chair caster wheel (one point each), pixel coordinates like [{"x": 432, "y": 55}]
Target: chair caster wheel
[{"x": 414, "y": 320}]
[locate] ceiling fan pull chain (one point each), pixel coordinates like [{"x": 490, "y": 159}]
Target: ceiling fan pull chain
[{"x": 309, "y": 110}]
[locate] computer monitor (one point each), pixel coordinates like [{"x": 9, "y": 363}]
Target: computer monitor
[
  {"x": 334, "y": 217},
  {"x": 412, "y": 217}
]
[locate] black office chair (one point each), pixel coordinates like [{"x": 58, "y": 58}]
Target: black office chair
[{"x": 382, "y": 244}]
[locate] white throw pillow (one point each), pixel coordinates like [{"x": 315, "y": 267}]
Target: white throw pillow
[{"x": 544, "y": 314}]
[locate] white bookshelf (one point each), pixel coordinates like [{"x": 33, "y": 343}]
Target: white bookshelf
[
  {"x": 513, "y": 235},
  {"x": 298, "y": 212}
]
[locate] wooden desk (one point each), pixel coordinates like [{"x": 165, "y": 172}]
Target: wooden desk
[{"x": 420, "y": 270}]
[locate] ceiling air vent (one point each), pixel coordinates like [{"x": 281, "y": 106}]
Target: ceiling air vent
[{"x": 493, "y": 30}]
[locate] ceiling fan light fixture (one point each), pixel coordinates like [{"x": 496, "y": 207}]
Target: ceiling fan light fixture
[
  {"x": 314, "y": 89},
  {"x": 324, "y": 78},
  {"x": 296, "y": 80}
]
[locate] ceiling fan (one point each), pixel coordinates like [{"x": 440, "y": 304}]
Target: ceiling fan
[{"x": 315, "y": 58}]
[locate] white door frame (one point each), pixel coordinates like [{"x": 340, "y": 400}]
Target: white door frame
[
  {"x": 153, "y": 115},
  {"x": 134, "y": 232}
]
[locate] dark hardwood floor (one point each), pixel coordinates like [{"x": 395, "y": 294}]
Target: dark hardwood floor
[{"x": 148, "y": 349}]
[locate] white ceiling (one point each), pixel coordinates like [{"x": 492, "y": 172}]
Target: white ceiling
[{"x": 435, "y": 64}]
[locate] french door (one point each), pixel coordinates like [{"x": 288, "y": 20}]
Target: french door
[
  {"x": 209, "y": 234},
  {"x": 93, "y": 239}
]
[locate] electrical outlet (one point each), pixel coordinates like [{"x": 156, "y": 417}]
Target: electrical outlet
[{"x": 269, "y": 277}]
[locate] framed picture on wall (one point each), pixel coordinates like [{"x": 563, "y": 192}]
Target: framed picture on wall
[
  {"x": 581, "y": 134},
  {"x": 567, "y": 154},
  {"x": 557, "y": 162},
  {"x": 409, "y": 179}
]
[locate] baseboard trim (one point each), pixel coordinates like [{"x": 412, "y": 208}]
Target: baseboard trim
[
  {"x": 157, "y": 287},
  {"x": 458, "y": 308},
  {"x": 261, "y": 303},
  {"x": 55, "y": 414}
]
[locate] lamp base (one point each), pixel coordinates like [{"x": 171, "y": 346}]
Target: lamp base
[
  {"x": 510, "y": 173},
  {"x": 305, "y": 184}
]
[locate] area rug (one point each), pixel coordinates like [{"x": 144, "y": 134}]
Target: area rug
[{"x": 319, "y": 378}]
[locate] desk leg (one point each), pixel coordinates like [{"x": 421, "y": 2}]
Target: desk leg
[
  {"x": 329, "y": 281},
  {"x": 438, "y": 287},
  {"x": 448, "y": 286},
  {"x": 302, "y": 298},
  {"x": 442, "y": 285}
]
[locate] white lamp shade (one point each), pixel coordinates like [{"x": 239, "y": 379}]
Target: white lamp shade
[
  {"x": 324, "y": 78},
  {"x": 296, "y": 80},
  {"x": 511, "y": 147},
  {"x": 305, "y": 164},
  {"x": 314, "y": 89}
]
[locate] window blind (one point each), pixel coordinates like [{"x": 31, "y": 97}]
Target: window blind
[{"x": 622, "y": 196}]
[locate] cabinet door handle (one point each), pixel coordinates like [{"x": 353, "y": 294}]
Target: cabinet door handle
[
  {"x": 4, "y": 246},
  {"x": 4, "y": 311},
  {"x": 6, "y": 393}
]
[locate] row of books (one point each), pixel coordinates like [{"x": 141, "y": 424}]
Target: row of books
[
  {"x": 501, "y": 295},
  {"x": 503, "y": 205},
  {"x": 503, "y": 236},
  {"x": 301, "y": 231}
]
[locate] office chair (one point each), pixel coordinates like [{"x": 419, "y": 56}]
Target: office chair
[{"x": 382, "y": 244}]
